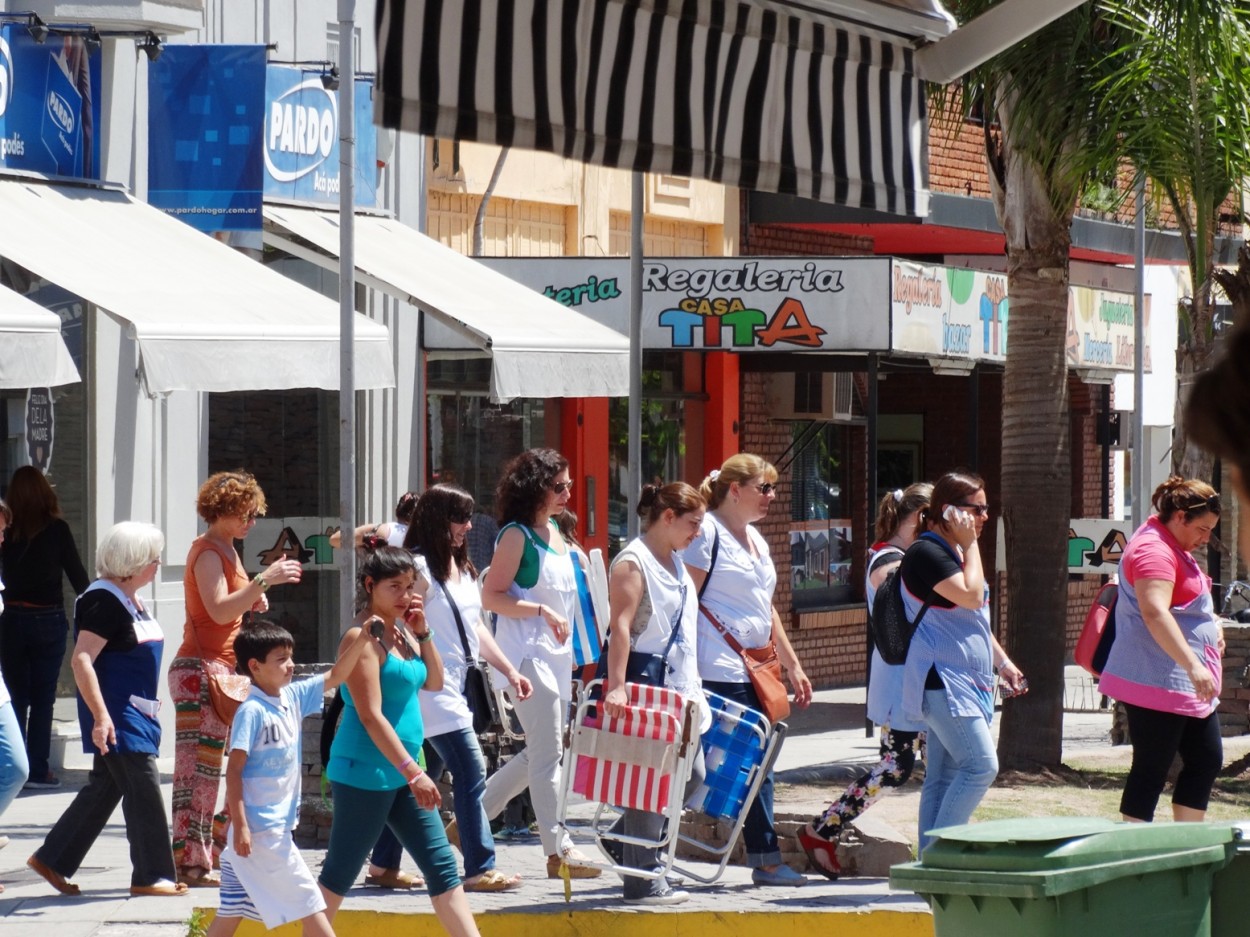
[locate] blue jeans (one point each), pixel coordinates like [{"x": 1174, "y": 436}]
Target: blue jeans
[
  {"x": 32, "y": 646},
  {"x": 758, "y": 832},
  {"x": 14, "y": 766},
  {"x": 460, "y": 753},
  {"x": 961, "y": 766}
]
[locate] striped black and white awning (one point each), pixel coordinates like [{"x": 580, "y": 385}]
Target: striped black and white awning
[{"x": 736, "y": 92}]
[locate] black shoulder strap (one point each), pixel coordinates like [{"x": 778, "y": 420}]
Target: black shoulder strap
[
  {"x": 455, "y": 610},
  {"x": 712, "y": 559}
]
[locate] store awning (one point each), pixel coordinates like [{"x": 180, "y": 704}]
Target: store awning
[
  {"x": 538, "y": 347},
  {"x": 32, "y": 353},
  {"x": 818, "y": 99},
  {"x": 205, "y": 316}
]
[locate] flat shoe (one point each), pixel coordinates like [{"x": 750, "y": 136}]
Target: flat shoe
[
  {"x": 821, "y": 853},
  {"x": 159, "y": 890},
  {"x": 207, "y": 880},
  {"x": 781, "y": 877},
  {"x": 574, "y": 860},
  {"x": 393, "y": 878},
  {"x": 53, "y": 878},
  {"x": 492, "y": 880}
]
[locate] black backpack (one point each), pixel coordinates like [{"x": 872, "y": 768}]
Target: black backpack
[{"x": 891, "y": 631}]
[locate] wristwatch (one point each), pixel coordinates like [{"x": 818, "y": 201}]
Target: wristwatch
[{"x": 261, "y": 581}]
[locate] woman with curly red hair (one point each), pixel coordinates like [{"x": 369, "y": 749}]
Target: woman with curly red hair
[{"x": 218, "y": 594}]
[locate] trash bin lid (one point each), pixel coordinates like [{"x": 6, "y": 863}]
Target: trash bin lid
[
  {"x": 1035, "y": 844},
  {"x": 1044, "y": 856}
]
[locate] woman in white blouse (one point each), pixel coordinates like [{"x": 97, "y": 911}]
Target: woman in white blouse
[{"x": 731, "y": 567}]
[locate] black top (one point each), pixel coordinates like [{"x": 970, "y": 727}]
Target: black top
[
  {"x": 32, "y": 568},
  {"x": 925, "y": 565},
  {"x": 101, "y": 613}
]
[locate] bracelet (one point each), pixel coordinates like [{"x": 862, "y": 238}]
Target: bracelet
[
  {"x": 405, "y": 763},
  {"x": 540, "y": 609},
  {"x": 425, "y": 638},
  {"x": 415, "y": 776},
  {"x": 261, "y": 581}
]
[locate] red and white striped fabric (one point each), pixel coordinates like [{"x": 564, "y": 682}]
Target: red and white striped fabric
[{"x": 629, "y": 761}]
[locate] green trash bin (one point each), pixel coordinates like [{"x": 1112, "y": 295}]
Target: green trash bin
[
  {"x": 1230, "y": 896},
  {"x": 1065, "y": 876}
]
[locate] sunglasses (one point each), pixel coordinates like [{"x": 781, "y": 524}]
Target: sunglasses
[
  {"x": 461, "y": 517},
  {"x": 766, "y": 488},
  {"x": 1208, "y": 504},
  {"x": 980, "y": 510},
  {"x": 561, "y": 487}
]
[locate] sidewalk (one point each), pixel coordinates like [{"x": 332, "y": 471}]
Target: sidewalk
[{"x": 825, "y": 746}]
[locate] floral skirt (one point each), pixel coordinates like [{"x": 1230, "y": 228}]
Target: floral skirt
[{"x": 199, "y": 828}]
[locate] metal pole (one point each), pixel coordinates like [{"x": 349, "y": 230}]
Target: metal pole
[
  {"x": 635, "y": 355},
  {"x": 1138, "y": 474},
  {"x": 347, "y": 309},
  {"x": 871, "y": 505}
]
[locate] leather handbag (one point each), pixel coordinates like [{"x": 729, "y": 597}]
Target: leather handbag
[
  {"x": 476, "y": 689},
  {"x": 763, "y": 669},
  {"x": 226, "y": 691}
]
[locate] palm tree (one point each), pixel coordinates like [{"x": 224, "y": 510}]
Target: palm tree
[{"x": 1179, "y": 98}]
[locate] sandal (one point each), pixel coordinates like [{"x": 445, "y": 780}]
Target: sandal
[
  {"x": 161, "y": 889},
  {"x": 394, "y": 878},
  {"x": 203, "y": 880},
  {"x": 577, "y": 863},
  {"x": 53, "y": 877},
  {"x": 821, "y": 853},
  {"x": 492, "y": 880}
]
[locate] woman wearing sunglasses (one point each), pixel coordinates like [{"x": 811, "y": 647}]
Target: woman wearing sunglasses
[
  {"x": 1165, "y": 665},
  {"x": 531, "y": 587},
  {"x": 735, "y": 578},
  {"x": 948, "y": 679}
]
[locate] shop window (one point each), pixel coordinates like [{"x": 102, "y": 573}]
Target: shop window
[
  {"x": 289, "y": 441},
  {"x": 663, "y": 437},
  {"x": 820, "y": 516},
  {"x": 471, "y": 439}
]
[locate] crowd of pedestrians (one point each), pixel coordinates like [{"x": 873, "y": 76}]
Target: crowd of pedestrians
[{"x": 695, "y": 589}]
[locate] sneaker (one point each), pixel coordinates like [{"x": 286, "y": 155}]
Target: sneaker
[
  {"x": 47, "y": 782},
  {"x": 661, "y": 894},
  {"x": 781, "y": 877}
]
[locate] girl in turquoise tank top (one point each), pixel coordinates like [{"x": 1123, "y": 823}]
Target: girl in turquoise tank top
[{"x": 373, "y": 770}]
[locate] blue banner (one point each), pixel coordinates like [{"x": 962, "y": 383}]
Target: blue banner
[
  {"x": 302, "y": 138},
  {"x": 49, "y": 104},
  {"x": 205, "y": 111}
]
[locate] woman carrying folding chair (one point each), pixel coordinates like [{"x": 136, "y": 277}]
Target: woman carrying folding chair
[{"x": 652, "y": 601}]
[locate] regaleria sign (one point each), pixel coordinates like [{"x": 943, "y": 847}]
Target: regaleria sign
[{"x": 743, "y": 304}]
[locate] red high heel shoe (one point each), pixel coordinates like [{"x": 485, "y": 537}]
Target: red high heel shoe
[{"x": 821, "y": 853}]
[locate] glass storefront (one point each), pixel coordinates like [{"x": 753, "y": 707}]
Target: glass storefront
[{"x": 820, "y": 516}]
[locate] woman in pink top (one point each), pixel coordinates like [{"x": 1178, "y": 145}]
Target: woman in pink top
[{"x": 1165, "y": 664}]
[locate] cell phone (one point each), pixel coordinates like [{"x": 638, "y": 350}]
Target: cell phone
[
  {"x": 1007, "y": 692},
  {"x": 950, "y": 513},
  {"x": 377, "y": 628}
]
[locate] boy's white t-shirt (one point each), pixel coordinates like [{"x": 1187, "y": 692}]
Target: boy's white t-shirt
[{"x": 268, "y": 729}]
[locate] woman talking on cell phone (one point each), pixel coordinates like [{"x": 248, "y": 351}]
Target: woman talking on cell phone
[{"x": 948, "y": 680}]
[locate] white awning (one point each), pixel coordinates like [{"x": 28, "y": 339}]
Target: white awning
[
  {"x": 32, "y": 353},
  {"x": 205, "y": 316},
  {"x": 538, "y": 347}
]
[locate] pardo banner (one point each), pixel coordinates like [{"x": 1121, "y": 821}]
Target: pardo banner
[{"x": 49, "y": 104}]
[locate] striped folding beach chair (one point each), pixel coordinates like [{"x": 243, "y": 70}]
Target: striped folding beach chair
[
  {"x": 592, "y": 607},
  {"x": 641, "y": 760},
  {"x": 738, "y": 752}
]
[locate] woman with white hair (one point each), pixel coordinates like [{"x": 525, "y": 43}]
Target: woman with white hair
[{"x": 117, "y": 666}]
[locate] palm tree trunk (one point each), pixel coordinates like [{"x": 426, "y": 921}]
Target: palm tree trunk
[{"x": 1036, "y": 465}]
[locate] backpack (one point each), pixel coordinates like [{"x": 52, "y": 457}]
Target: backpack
[
  {"x": 1098, "y": 632},
  {"x": 891, "y": 631}
]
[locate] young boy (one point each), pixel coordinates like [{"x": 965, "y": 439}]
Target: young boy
[{"x": 263, "y": 875}]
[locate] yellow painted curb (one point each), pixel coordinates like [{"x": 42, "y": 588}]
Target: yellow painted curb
[{"x": 628, "y": 923}]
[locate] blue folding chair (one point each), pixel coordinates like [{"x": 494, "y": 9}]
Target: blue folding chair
[{"x": 739, "y": 750}]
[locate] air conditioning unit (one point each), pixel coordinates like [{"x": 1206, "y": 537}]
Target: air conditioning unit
[{"x": 811, "y": 395}]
